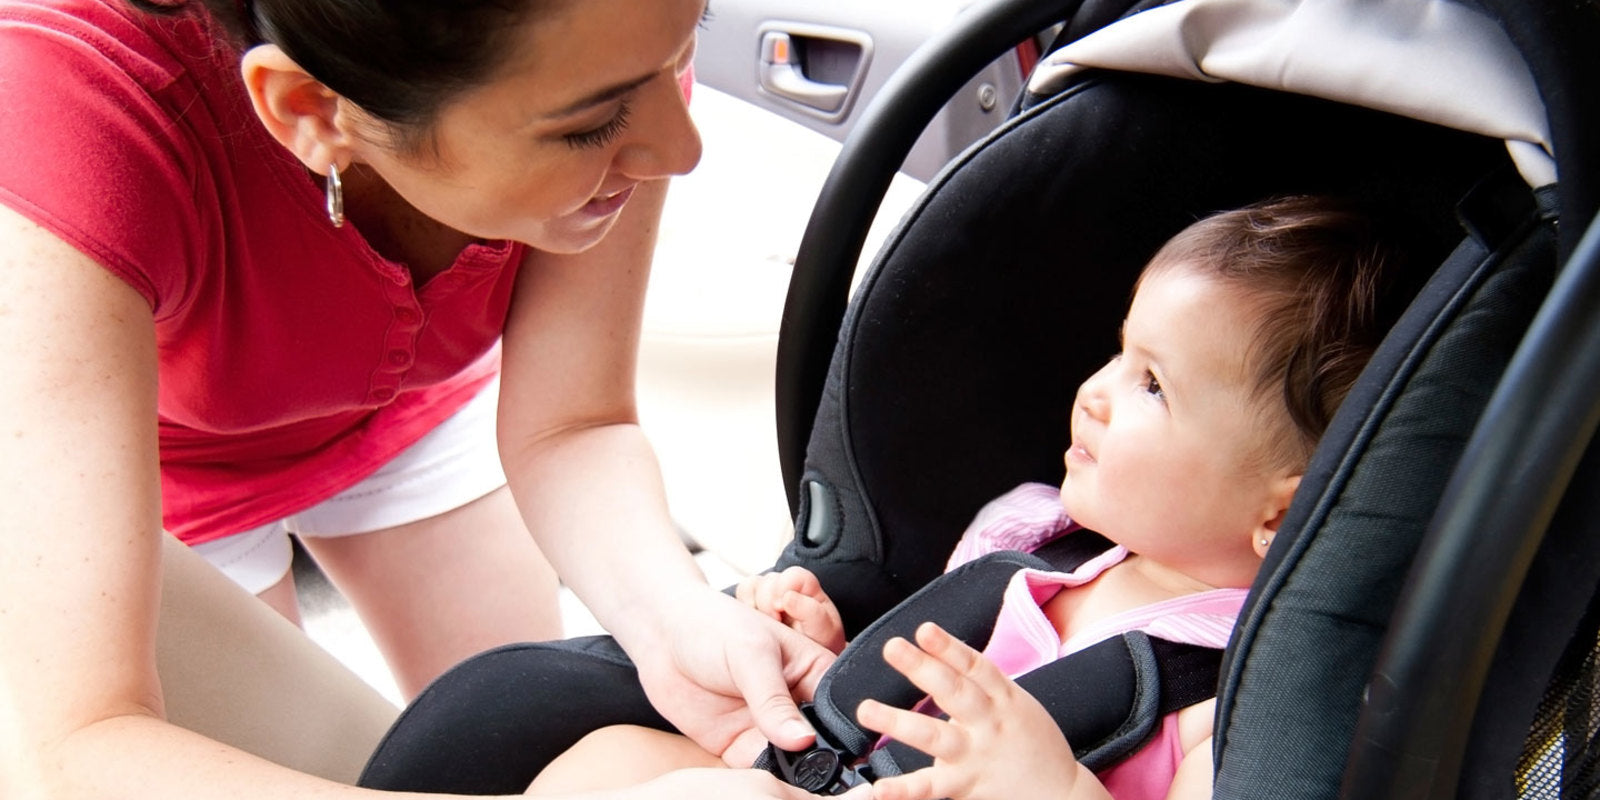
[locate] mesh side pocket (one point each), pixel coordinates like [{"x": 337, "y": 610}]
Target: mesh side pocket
[{"x": 1561, "y": 757}]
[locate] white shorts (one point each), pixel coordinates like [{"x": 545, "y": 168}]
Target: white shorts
[{"x": 454, "y": 464}]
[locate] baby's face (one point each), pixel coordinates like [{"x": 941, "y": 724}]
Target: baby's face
[{"x": 1167, "y": 438}]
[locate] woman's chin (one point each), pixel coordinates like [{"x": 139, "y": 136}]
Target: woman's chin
[{"x": 569, "y": 236}]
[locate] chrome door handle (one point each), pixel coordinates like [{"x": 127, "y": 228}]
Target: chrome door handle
[{"x": 781, "y": 75}]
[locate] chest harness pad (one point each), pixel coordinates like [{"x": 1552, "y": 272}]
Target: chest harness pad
[{"x": 1108, "y": 698}]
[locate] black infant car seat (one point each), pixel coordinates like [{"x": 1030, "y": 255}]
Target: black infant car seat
[{"x": 1375, "y": 626}]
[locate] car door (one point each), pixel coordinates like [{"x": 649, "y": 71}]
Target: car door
[{"x": 819, "y": 63}]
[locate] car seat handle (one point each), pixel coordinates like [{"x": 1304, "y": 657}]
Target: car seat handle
[{"x": 849, "y": 199}]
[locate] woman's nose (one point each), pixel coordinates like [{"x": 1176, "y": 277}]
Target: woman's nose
[{"x": 667, "y": 142}]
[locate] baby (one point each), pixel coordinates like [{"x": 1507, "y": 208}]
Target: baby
[{"x": 1245, "y": 333}]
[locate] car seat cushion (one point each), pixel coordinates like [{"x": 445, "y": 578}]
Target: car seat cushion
[{"x": 1285, "y": 719}]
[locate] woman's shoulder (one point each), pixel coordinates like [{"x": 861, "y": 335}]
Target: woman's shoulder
[
  {"x": 110, "y": 144},
  {"x": 151, "y": 49}
]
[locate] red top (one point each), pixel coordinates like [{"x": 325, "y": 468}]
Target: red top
[{"x": 294, "y": 360}]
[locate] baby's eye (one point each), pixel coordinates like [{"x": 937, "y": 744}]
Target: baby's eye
[{"x": 1152, "y": 385}]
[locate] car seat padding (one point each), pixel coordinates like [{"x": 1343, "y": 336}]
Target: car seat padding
[{"x": 1285, "y": 720}]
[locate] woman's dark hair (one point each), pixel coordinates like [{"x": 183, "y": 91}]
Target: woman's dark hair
[
  {"x": 398, "y": 60},
  {"x": 1328, "y": 278}
]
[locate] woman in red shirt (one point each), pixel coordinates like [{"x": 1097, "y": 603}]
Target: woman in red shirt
[{"x": 303, "y": 239}]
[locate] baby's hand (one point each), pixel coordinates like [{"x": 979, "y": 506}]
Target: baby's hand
[
  {"x": 795, "y": 598},
  {"x": 999, "y": 742}
]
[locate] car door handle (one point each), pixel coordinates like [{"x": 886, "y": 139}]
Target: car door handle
[{"x": 782, "y": 75}]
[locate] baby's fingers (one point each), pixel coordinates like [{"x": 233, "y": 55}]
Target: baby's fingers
[
  {"x": 802, "y": 580},
  {"x": 817, "y": 619},
  {"x": 751, "y": 592},
  {"x": 802, "y": 607},
  {"x": 763, "y": 592},
  {"x": 958, "y": 678},
  {"x": 919, "y": 785},
  {"x": 931, "y": 735}
]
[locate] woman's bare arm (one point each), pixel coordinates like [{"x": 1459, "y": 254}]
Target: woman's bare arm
[
  {"x": 589, "y": 487},
  {"x": 569, "y": 432},
  {"x": 81, "y": 706},
  {"x": 81, "y": 710}
]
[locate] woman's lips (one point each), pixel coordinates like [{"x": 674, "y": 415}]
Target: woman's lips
[{"x": 606, "y": 205}]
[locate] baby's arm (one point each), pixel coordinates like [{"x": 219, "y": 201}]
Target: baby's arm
[
  {"x": 999, "y": 742},
  {"x": 795, "y": 598}
]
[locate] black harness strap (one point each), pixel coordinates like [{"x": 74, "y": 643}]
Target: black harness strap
[{"x": 1109, "y": 698}]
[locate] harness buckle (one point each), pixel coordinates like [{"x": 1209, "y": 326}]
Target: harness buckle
[{"x": 823, "y": 768}]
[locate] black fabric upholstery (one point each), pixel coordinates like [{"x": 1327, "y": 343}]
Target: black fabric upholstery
[
  {"x": 489, "y": 725},
  {"x": 1329, "y": 585},
  {"x": 964, "y": 602},
  {"x": 1005, "y": 287}
]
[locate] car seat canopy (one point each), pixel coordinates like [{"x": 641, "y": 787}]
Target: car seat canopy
[{"x": 1436, "y": 61}]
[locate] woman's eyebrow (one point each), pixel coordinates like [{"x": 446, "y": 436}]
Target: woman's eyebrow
[
  {"x": 611, "y": 92},
  {"x": 603, "y": 96}
]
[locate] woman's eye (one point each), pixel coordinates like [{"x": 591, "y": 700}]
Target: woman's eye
[
  {"x": 602, "y": 135},
  {"x": 1152, "y": 385}
]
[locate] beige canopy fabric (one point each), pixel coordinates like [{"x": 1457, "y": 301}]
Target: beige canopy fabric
[{"x": 1431, "y": 60}]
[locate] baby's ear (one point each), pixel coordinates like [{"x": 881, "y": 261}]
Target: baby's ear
[
  {"x": 1279, "y": 497},
  {"x": 297, "y": 109}
]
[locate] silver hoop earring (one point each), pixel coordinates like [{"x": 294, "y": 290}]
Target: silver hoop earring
[{"x": 335, "y": 197}]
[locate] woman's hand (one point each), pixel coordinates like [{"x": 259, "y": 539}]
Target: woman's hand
[
  {"x": 729, "y": 678},
  {"x": 795, "y": 598},
  {"x": 999, "y": 742}
]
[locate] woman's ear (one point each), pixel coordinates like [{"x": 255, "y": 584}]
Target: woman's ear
[
  {"x": 298, "y": 110},
  {"x": 1279, "y": 497}
]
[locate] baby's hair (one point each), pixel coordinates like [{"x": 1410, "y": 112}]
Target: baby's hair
[{"x": 1328, "y": 280}]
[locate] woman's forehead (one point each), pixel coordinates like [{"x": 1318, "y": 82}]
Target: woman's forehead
[
  {"x": 563, "y": 60},
  {"x": 583, "y": 47}
]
